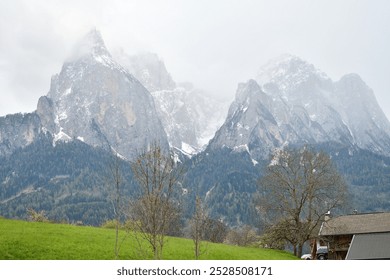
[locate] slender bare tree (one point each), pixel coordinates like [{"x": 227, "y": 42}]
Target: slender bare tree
[
  {"x": 198, "y": 227},
  {"x": 298, "y": 188},
  {"x": 156, "y": 209},
  {"x": 117, "y": 179}
]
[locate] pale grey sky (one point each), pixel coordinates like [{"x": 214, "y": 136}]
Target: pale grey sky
[{"x": 213, "y": 44}]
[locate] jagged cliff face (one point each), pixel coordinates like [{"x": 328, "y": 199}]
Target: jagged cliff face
[
  {"x": 17, "y": 131},
  {"x": 359, "y": 109},
  {"x": 190, "y": 117},
  {"x": 248, "y": 121},
  {"x": 97, "y": 101},
  {"x": 298, "y": 104},
  {"x": 92, "y": 99}
]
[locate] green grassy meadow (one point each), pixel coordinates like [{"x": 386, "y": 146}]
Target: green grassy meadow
[{"x": 22, "y": 240}]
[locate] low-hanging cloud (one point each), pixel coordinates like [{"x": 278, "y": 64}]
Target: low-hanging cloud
[{"x": 214, "y": 44}]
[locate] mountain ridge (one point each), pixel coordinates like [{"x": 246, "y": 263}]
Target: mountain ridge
[
  {"x": 190, "y": 117},
  {"x": 300, "y": 104}
]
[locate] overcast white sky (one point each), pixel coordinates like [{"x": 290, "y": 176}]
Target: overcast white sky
[{"x": 213, "y": 44}]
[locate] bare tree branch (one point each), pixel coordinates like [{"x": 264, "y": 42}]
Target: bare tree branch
[
  {"x": 297, "y": 190},
  {"x": 155, "y": 210}
]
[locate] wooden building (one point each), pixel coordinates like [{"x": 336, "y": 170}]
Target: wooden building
[{"x": 339, "y": 232}]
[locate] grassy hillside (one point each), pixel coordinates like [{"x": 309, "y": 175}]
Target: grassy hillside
[{"x": 45, "y": 241}]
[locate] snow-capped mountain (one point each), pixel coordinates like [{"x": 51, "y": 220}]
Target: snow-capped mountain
[
  {"x": 189, "y": 116},
  {"x": 293, "y": 103},
  {"x": 95, "y": 100}
]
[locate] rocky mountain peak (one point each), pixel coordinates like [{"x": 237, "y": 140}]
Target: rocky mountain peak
[
  {"x": 90, "y": 46},
  {"x": 250, "y": 86},
  {"x": 289, "y": 72},
  {"x": 298, "y": 104},
  {"x": 97, "y": 100},
  {"x": 353, "y": 83},
  {"x": 249, "y": 94}
]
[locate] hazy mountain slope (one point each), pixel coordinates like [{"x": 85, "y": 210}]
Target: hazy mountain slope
[
  {"x": 98, "y": 101},
  {"x": 298, "y": 104},
  {"x": 92, "y": 99},
  {"x": 190, "y": 116}
]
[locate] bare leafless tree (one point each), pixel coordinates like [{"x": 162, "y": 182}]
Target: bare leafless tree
[
  {"x": 298, "y": 188},
  {"x": 156, "y": 209},
  {"x": 116, "y": 180},
  {"x": 198, "y": 227},
  {"x": 36, "y": 216}
]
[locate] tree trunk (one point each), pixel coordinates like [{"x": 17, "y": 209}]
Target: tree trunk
[{"x": 300, "y": 248}]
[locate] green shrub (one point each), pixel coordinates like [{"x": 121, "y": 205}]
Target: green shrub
[{"x": 109, "y": 224}]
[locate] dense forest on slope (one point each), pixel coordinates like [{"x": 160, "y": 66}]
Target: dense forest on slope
[
  {"x": 69, "y": 181},
  {"x": 72, "y": 182}
]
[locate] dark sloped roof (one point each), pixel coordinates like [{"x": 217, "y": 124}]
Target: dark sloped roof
[
  {"x": 357, "y": 223},
  {"x": 370, "y": 246}
]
